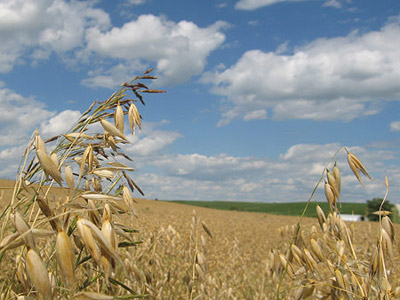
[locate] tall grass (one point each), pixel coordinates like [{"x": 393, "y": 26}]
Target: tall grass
[
  {"x": 70, "y": 247},
  {"x": 81, "y": 244}
]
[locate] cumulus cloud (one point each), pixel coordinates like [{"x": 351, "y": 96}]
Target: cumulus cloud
[
  {"x": 201, "y": 167},
  {"x": 395, "y": 126},
  {"x": 333, "y": 3},
  {"x": 31, "y": 30},
  {"x": 136, "y": 2},
  {"x": 114, "y": 76},
  {"x": 256, "y": 4},
  {"x": 19, "y": 116},
  {"x": 290, "y": 177},
  {"x": 35, "y": 28},
  {"x": 60, "y": 123},
  {"x": 152, "y": 142},
  {"x": 179, "y": 49},
  {"x": 340, "y": 78}
]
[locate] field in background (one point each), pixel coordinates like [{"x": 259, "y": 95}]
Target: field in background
[
  {"x": 234, "y": 259},
  {"x": 286, "y": 209}
]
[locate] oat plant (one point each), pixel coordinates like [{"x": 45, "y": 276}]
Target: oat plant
[
  {"x": 325, "y": 262},
  {"x": 69, "y": 246}
]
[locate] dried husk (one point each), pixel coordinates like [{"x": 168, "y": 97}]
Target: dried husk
[
  {"x": 134, "y": 118},
  {"x": 69, "y": 177},
  {"x": 104, "y": 244},
  {"x": 89, "y": 241},
  {"x": 119, "y": 118},
  {"x": 65, "y": 258},
  {"x": 336, "y": 174},
  {"x": 110, "y": 128},
  {"x": 333, "y": 184},
  {"x": 24, "y": 230},
  {"x": 330, "y": 196},
  {"x": 38, "y": 274},
  {"x": 48, "y": 166}
]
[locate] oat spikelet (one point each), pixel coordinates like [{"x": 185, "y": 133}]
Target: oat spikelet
[
  {"x": 387, "y": 243},
  {"x": 74, "y": 135},
  {"x": 10, "y": 242},
  {"x": 48, "y": 166},
  {"x": 356, "y": 166},
  {"x": 87, "y": 158},
  {"x": 388, "y": 226},
  {"x": 65, "y": 258},
  {"x": 96, "y": 184},
  {"x": 104, "y": 244},
  {"x": 316, "y": 249},
  {"x": 109, "y": 233},
  {"x": 54, "y": 158},
  {"x": 103, "y": 172},
  {"x": 88, "y": 240},
  {"x": 110, "y": 128},
  {"x": 46, "y": 210},
  {"x": 309, "y": 260},
  {"x": 339, "y": 279},
  {"x": 126, "y": 195},
  {"x": 109, "y": 141},
  {"x": 286, "y": 265},
  {"x": 69, "y": 177},
  {"x": 24, "y": 230},
  {"x": 38, "y": 274},
  {"x": 330, "y": 196},
  {"x": 94, "y": 214},
  {"x": 206, "y": 229},
  {"x": 134, "y": 118},
  {"x": 332, "y": 183},
  {"x": 100, "y": 197},
  {"x": 39, "y": 143},
  {"x": 119, "y": 118},
  {"x": 321, "y": 216},
  {"x": 336, "y": 174}
]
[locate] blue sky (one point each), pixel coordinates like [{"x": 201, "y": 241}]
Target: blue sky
[{"x": 260, "y": 93}]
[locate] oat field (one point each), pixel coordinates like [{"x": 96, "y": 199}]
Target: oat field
[
  {"x": 236, "y": 260},
  {"x": 73, "y": 227}
]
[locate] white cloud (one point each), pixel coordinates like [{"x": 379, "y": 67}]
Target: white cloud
[
  {"x": 19, "y": 116},
  {"x": 333, "y": 3},
  {"x": 255, "y": 115},
  {"x": 60, "y": 123},
  {"x": 253, "y": 23},
  {"x": 291, "y": 177},
  {"x": 37, "y": 27},
  {"x": 340, "y": 78},
  {"x": 179, "y": 49},
  {"x": 152, "y": 143},
  {"x": 215, "y": 168},
  {"x": 136, "y": 2},
  {"x": 113, "y": 76},
  {"x": 395, "y": 126},
  {"x": 255, "y": 4},
  {"x": 31, "y": 30}
]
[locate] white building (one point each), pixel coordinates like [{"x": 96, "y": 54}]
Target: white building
[{"x": 353, "y": 218}]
